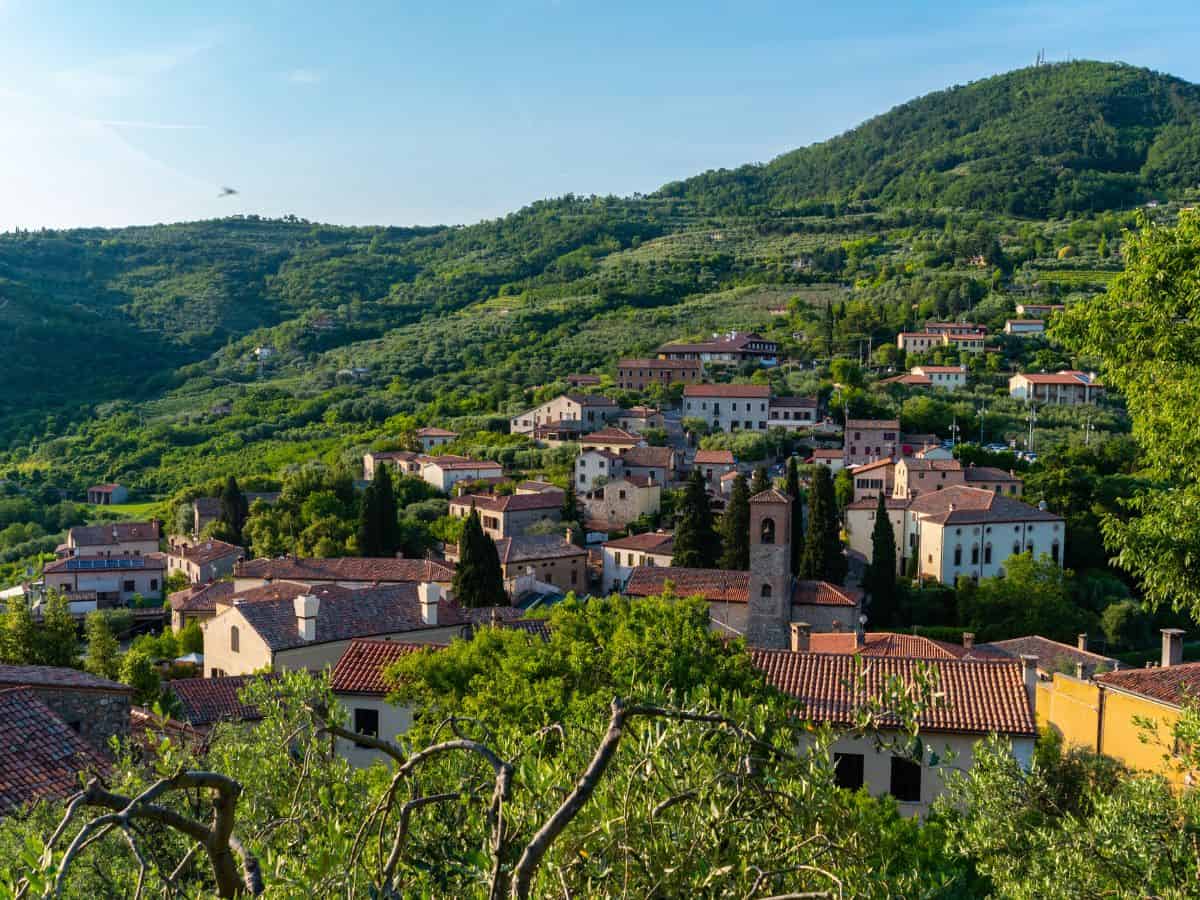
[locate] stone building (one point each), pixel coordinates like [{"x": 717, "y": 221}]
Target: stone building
[
  {"x": 95, "y": 708},
  {"x": 770, "y": 569}
]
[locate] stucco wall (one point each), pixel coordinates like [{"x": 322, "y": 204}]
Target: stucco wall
[{"x": 393, "y": 720}]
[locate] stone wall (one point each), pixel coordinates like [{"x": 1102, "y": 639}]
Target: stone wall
[{"x": 96, "y": 715}]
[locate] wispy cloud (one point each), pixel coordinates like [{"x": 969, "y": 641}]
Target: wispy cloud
[
  {"x": 149, "y": 126},
  {"x": 305, "y": 76},
  {"x": 125, "y": 74}
]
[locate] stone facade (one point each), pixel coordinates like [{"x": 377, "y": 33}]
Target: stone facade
[
  {"x": 770, "y": 570},
  {"x": 96, "y": 715}
]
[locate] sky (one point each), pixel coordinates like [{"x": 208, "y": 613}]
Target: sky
[{"x": 403, "y": 112}]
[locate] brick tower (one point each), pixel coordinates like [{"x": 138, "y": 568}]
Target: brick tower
[{"x": 770, "y": 570}]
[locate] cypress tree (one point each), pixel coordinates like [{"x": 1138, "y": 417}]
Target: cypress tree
[
  {"x": 735, "y": 528},
  {"x": 386, "y": 513},
  {"x": 760, "y": 482},
  {"x": 368, "y": 522},
  {"x": 570, "y": 506},
  {"x": 836, "y": 564},
  {"x": 880, "y": 577},
  {"x": 697, "y": 544},
  {"x": 233, "y": 512},
  {"x": 823, "y": 558},
  {"x": 792, "y": 489},
  {"x": 478, "y": 579}
]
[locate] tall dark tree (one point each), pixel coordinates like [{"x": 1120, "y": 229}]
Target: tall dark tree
[
  {"x": 478, "y": 578},
  {"x": 760, "y": 482},
  {"x": 880, "y": 578},
  {"x": 378, "y": 525},
  {"x": 823, "y": 557},
  {"x": 697, "y": 544},
  {"x": 792, "y": 489},
  {"x": 735, "y": 528},
  {"x": 234, "y": 510},
  {"x": 570, "y": 505}
]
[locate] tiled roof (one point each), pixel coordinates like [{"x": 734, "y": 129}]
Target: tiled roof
[
  {"x": 987, "y": 473},
  {"x": 147, "y": 562},
  {"x": 40, "y": 755},
  {"x": 649, "y": 542},
  {"x": 206, "y": 551},
  {"x": 714, "y": 458},
  {"x": 436, "y": 432},
  {"x": 822, "y": 593},
  {"x": 932, "y": 465},
  {"x": 58, "y": 678},
  {"x": 450, "y": 463},
  {"x": 519, "y": 549},
  {"x": 203, "y": 701},
  {"x": 346, "y": 613},
  {"x": 873, "y": 503},
  {"x": 885, "y": 643},
  {"x": 539, "y": 487},
  {"x": 1067, "y": 377},
  {"x": 591, "y": 399},
  {"x": 201, "y": 598},
  {"x": 975, "y": 505},
  {"x": 1049, "y": 653},
  {"x": 735, "y": 391},
  {"x": 346, "y": 568},
  {"x": 794, "y": 402},
  {"x": 874, "y": 424},
  {"x": 714, "y": 585},
  {"x": 406, "y": 455},
  {"x": 640, "y": 412},
  {"x": 104, "y": 488},
  {"x": 511, "y": 502},
  {"x": 976, "y": 697},
  {"x": 360, "y": 670},
  {"x": 885, "y": 463},
  {"x": 611, "y": 436},
  {"x": 536, "y": 627},
  {"x": 649, "y": 457},
  {"x": 770, "y": 495},
  {"x": 822, "y": 453},
  {"x": 658, "y": 364},
  {"x": 909, "y": 378},
  {"x": 1170, "y": 684},
  {"x": 113, "y": 533}
]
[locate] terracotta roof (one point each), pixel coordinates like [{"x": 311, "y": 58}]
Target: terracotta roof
[
  {"x": 976, "y": 697},
  {"x": 649, "y": 542},
  {"x": 451, "y": 463},
  {"x": 40, "y": 755},
  {"x": 58, "y": 678},
  {"x": 736, "y": 391},
  {"x": 151, "y": 562},
  {"x": 201, "y": 598},
  {"x": 360, "y": 670},
  {"x": 519, "y": 549},
  {"x": 873, "y": 503},
  {"x": 987, "y": 473},
  {"x": 113, "y": 533},
  {"x": 658, "y": 364},
  {"x": 346, "y": 568},
  {"x": 590, "y": 400},
  {"x": 203, "y": 701},
  {"x": 649, "y": 457},
  {"x": 908, "y": 378},
  {"x": 436, "y": 432},
  {"x": 714, "y": 585},
  {"x": 885, "y": 643},
  {"x": 822, "y": 593},
  {"x": 511, "y": 502},
  {"x": 205, "y": 551},
  {"x": 103, "y": 488},
  {"x": 770, "y": 495},
  {"x": 887, "y": 462},
  {"x": 822, "y": 453},
  {"x": 794, "y": 402},
  {"x": 611, "y": 436},
  {"x": 1050, "y": 654},
  {"x": 714, "y": 458},
  {"x": 540, "y": 487},
  {"x": 730, "y": 475},
  {"x": 874, "y": 424},
  {"x": 1066, "y": 377},
  {"x": 975, "y": 505},
  {"x": 1170, "y": 684}
]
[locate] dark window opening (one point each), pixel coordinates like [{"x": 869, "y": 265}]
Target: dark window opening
[
  {"x": 848, "y": 770},
  {"x": 906, "y": 780},
  {"x": 768, "y": 531},
  {"x": 366, "y": 721}
]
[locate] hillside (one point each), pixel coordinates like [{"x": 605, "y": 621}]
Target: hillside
[{"x": 1042, "y": 141}]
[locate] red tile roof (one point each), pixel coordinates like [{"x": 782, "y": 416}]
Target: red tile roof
[
  {"x": 960, "y": 505},
  {"x": 611, "y": 436},
  {"x": 452, "y": 463},
  {"x": 886, "y": 462},
  {"x": 206, "y": 551},
  {"x": 648, "y": 457},
  {"x": 910, "y": 379},
  {"x": 201, "y": 598},
  {"x": 714, "y": 458},
  {"x": 714, "y": 585},
  {"x": 40, "y": 755},
  {"x": 113, "y": 533},
  {"x": 1050, "y": 654},
  {"x": 874, "y": 424},
  {"x": 822, "y": 593},
  {"x": 360, "y": 670},
  {"x": 203, "y": 701},
  {"x": 1172, "y": 684},
  {"x": 58, "y": 678},
  {"x": 770, "y": 495},
  {"x": 658, "y": 364},
  {"x": 1066, "y": 377},
  {"x": 736, "y": 391},
  {"x": 976, "y": 697},
  {"x": 436, "y": 432},
  {"x": 346, "y": 568},
  {"x": 511, "y": 502},
  {"x": 824, "y": 453},
  {"x": 885, "y": 643},
  {"x": 649, "y": 542},
  {"x": 530, "y": 547}
]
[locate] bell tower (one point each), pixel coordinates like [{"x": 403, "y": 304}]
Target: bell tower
[{"x": 770, "y": 598}]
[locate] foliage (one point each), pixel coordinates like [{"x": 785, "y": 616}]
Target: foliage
[
  {"x": 879, "y": 580},
  {"x": 378, "y": 527},
  {"x": 191, "y": 639},
  {"x": 137, "y": 671},
  {"x": 791, "y": 487},
  {"x": 234, "y": 510},
  {"x": 103, "y": 651},
  {"x": 823, "y": 557},
  {"x": 697, "y": 544},
  {"x": 1032, "y": 597},
  {"x": 478, "y": 578},
  {"x": 735, "y": 528}
]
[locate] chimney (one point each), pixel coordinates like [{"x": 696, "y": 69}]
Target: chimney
[
  {"x": 968, "y": 640},
  {"x": 430, "y": 595},
  {"x": 1079, "y": 671},
  {"x": 307, "y": 606},
  {"x": 1172, "y": 646},
  {"x": 801, "y": 633},
  {"x": 569, "y": 536},
  {"x": 1081, "y": 643},
  {"x": 1029, "y": 671}
]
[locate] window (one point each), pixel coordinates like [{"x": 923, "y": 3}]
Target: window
[
  {"x": 987, "y": 554},
  {"x": 582, "y": 478},
  {"x": 958, "y": 555},
  {"x": 1016, "y": 548},
  {"x": 128, "y": 586},
  {"x": 906, "y": 780},
  {"x": 574, "y": 577},
  {"x": 974, "y": 554},
  {"x": 848, "y": 770},
  {"x": 1054, "y": 551},
  {"x": 154, "y": 582},
  {"x": 767, "y": 534},
  {"x": 366, "y": 721},
  {"x": 765, "y": 593}
]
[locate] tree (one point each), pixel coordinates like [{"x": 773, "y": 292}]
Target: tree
[
  {"x": 103, "y": 651},
  {"x": 1032, "y": 597},
  {"x": 478, "y": 577},
  {"x": 792, "y": 489},
  {"x": 735, "y": 528},
  {"x": 234, "y": 509},
  {"x": 137, "y": 671},
  {"x": 823, "y": 557},
  {"x": 57, "y": 640},
  {"x": 1142, "y": 330},
  {"x": 843, "y": 489},
  {"x": 17, "y": 635},
  {"x": 191, "y": 638},
  {"x": 697, "y": 544},
  {"x": 378, "y": 525},
  {"x": 760, "y": 482},
  {"x": 570, "y": 505},
  {"x": 880, "y": 578}
]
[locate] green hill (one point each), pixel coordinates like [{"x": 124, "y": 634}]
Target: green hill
[{"x": 1041, "y": 141}]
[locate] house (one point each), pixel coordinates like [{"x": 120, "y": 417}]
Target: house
[
  {"x": 296, "y": 626},
  {"x": 581, "y": 380},
  {"x": 1052, "y": 656},
  {"x": 435, "y": 437},
  {"x": 512, "y": 515},
  {"x": 622, "y": 501},
  {"x": 656, "y": 463},
  {"x": 910, "y": 380},
  {"x": 346, "y": 571},
  {"x": 956, "y": 329},
  {"x": 106, "y": 494},
  {"x": 727, "y": 482},
  {"x": 443, "y": 472},
  {"x": 920, "y": 341},
  {"x": 202, "y": 561},
  {"x": 874, "y": 479},
  {"x": 114, "y": 539},
  {"x": 917, "y": 475},
  {"x": 94, "y": 708},
  {"x": 792, "y": 413},
  {"x": 639, "y": 374},
  {"x": 574, "y": 412},
  {"x": 834, "y": 460},
  {"x": 976, "y": 699},
  {"x": 714, "y": 464},
  {"x": 198, "y": 603},
  {"x": 41, "y": 756},
  {"x": 1038, "y": 310},
  {"x": 967, "y": 343},
  {"x": 639, "y": 419},
  {"x": 1025, "y": 327},
  {"x": 203, "y": 702},
  {"x": 594, "y": 467},
  {"x": 728, "y": 407},
  {"x": 732, "y": 348},
  {"x": 404, "y": 462},
  {"x": 538, "y": 487},
  {"x": 1129, "y": 714},
  {"x": 116, "y": 580},
  {"x": 615, "y": 440},
  {"x": 859, "y": 523},
  {"x": 949, "y": 378},
  {"x": 360, "y": 687},
  {"x": 622, "y": 555},
  {"x": 870, "y": 440},
  {"x": 1067, "y": 387},
  {"x": 550, "y": 559}
]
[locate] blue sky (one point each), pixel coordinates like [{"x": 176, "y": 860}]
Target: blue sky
[{"x": 404, "y": 113}]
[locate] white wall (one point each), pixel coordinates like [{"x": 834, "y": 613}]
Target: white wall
[
  {"x": 940, "y": 542},
  {"x": 723, "y": 412},
  {"x": 393, "y": 720}
]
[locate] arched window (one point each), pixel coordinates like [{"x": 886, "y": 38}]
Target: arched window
[
  {"x": 974, "y": 554},
  {"x": 768, "y": 531},
  {"x": 987, "y": 554},
  {"x": 958, "y": 555},
  {"x": 1016, "y": 548},
  {"x": 1054, "y": 551},
  {"x": 233, "y": 639},
  {"x": 765, "y": 592}
]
